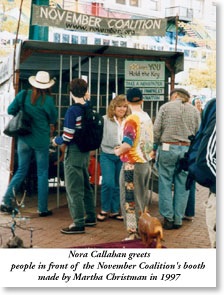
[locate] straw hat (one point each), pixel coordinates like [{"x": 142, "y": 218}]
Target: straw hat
[{"x": 41, "y": 80}]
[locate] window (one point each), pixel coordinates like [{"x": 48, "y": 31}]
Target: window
[
  {"x": 194, "y": 54},
  {"x": 75, "y": 39},
  {"x": 134, "y": 3},
  {"x": 123, "y": 43},
  {"x": 186, "y": 53},
  {"x": 97, "y": 41},
  {"x": 106, "y": 42},
  {"x": 154, "y": 5},
  {"x": 57, "y": 37},
  {"x": 65, "y": 38},
  {"x": 83, "y": 40},
  {"x": 121, "y": 1},
  {"x": 115, "y": 43}
]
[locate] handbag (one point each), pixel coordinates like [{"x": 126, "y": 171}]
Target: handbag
[{"x": 20, "y": 124}]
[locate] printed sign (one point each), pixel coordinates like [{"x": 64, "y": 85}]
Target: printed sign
[
  {"x": 149, "y": 76},
  {"x": 49, "y": 16}
]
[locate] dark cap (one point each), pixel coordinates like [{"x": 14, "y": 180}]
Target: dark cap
[
  {"x": 134, "y": 95},
  {"x": 180, "y": 90}
]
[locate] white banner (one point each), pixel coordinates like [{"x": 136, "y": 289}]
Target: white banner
[
  {"x": 49, "y": 16},
  {"x": 108, "y": 268}
]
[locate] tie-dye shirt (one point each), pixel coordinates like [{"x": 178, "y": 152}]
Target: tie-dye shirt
[{"x": 138, "y": 133}]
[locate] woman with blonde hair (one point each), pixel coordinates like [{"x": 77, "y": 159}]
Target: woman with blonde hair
[{"x": 111, "y": 164}]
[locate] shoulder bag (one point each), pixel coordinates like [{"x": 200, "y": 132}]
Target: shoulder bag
[{"x": 20, "y": 124}]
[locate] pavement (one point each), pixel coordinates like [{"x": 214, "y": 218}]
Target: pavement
[{"x": 44, "y": 232}]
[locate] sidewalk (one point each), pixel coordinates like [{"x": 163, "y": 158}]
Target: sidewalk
[{"x": 46, "y": 230}]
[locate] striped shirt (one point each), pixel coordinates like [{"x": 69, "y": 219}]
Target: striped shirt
[
  {"x": 211, "y": 152},
  {"x": 175, "y": 122},
  {"x": 72, "y": 122}
]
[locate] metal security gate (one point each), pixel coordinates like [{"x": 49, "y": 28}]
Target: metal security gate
[{"x": 102, "y": 66}]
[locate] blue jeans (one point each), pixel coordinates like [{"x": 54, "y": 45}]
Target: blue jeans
[
  {"x": 172, "y": 205},
  {"x": 110, "y": 166},
  {"x": 190, "y": 209},
  {"x": 24, "y": 158}
]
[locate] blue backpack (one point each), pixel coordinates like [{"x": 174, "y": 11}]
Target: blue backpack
[{"x": 200, "y": 166}]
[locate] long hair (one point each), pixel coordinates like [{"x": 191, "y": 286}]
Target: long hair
[
  {"x": 118, "y": 101},
  {"x": 36, "y": 92}
]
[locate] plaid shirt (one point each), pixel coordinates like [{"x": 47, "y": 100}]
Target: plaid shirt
[{"x": 175, "y": 122}]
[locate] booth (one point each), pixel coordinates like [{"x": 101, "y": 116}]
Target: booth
[{"x": 109, "y": 71}]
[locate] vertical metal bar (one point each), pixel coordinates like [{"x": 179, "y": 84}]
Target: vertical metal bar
[
  {"x": 59, "y": 128},
  {"x": 98, "y": 109},
  {"x": 108, "y": 79},
  {"x": 151, "y": 109},
  {"x": 70, "y": 77},
  {"x": 79, "y": 67},
  {"x": 98, "y": 84},
  {"x": 90, "y": 75},
  {"x": 116, "y": 77},
  {"x": 157, "y": 107},
  {"x": 176, "y": 24}
]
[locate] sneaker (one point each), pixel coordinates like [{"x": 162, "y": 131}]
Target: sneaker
[
  {"x": 177, "y": 226},
  {"x": 188, "y": 218},
  {"x": 8, "y": 209},
  {"x": 167, "y": 224},
  {"x": 45, "y": 214},
  {"x": 90, "y": 222},
  {"x": 72, "y": 229}
]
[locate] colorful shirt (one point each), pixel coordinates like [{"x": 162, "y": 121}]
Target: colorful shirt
[{"x": 138, "y": 133}]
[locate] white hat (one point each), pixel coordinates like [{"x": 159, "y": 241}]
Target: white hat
[{"x": 41, "y": 80}]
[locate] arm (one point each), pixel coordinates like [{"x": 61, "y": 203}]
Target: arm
[
  {"x": 14, "y": 107},
  {"x": 123, "y": 148},
  {"x": 68, "y": 130}
]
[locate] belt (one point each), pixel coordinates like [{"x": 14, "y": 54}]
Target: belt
[{"x": 181, "y": 143}]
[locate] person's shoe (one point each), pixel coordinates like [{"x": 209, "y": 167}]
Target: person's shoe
[
  {"x": 8, "y": 209},
  {"x": 90, "y": 222},
  {"x": 188, "y": 218},
  {"x": 132, "y": 236},
  {"x": 45, "y": 214},
  {"x": 116, "y": 216},
  {"x": 167, "y": 224},
  {"x": 102, "y": 216},
  {"x": 177, "y": 226},
  {"x": 72, "y": 229}
]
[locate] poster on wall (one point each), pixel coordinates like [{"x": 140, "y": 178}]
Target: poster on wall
[{"x": 149, "y": 76}]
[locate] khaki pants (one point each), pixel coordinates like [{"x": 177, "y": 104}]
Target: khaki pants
[{"x": 210, "y": 206}]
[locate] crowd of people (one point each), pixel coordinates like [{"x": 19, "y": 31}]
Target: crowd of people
[{"x": 130, "y": 142}]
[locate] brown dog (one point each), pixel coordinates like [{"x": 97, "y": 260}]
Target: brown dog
[{"x": 150, "y": 229}]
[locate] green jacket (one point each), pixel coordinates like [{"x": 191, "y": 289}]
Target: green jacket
[{"x": 42, "y": 114}]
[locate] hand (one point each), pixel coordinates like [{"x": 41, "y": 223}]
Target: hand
[
  {"x": 53, "y": 142},
  {"x": 116, "y": 151},
  {"x": 152, "y": 154}
]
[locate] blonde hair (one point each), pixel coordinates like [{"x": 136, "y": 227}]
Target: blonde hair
[{"x": 118, "y": 101}]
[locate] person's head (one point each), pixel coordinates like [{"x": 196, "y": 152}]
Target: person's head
[
  {"x": 118, "y": 107},
  {"x": 197, "y": 103},
  {"x": 78, "y": 87},
  {"x": 41, "y": 80},
  {"x": 180, "y": 93},
  {"x": 134, "y": 96}
]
